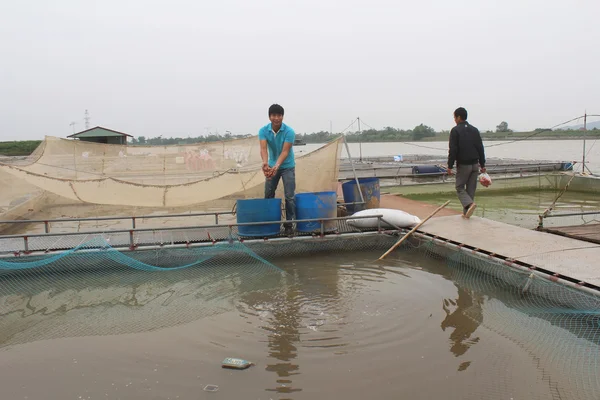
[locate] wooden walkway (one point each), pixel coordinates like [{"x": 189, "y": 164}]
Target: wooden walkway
[
  {"x": 588, "y": 233},
  {"x": 566, "y": 256}
]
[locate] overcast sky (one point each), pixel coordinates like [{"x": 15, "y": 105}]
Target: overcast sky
[{"x": 185, "y": 67}]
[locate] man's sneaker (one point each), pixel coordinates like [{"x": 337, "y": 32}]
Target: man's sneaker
[
  {"x": 470, "y": 210},
  {"x": 288, "y": 231}
]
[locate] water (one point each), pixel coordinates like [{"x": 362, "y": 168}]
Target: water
[
  {"x": 541, "y": 150},
  {"x": 337, "y": 326},
  {"x": 523, "y": 208}
]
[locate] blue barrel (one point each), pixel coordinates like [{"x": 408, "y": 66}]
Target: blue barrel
[
  {"x": 259, "y": 210},
  {"x": 316, "y": 205},
  {"x": 370, "y": 191},
  {"x": 427, "y": 169},
  {"x": 566, "y": 166}
]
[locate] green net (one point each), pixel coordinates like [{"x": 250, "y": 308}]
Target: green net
[
  {"x": 557, "y": 325},
  {"x": 98, "y": 289}
]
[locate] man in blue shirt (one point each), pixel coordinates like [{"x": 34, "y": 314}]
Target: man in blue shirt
[{"x": 276, "y": 141}]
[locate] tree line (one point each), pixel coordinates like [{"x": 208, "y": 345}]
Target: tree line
[{"x": 388, "y": 134}]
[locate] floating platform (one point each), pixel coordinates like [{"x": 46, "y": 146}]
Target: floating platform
[{"x": 559, "y": 256}]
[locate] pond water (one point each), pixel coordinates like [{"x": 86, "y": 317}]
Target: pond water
[
  {"x": 522, "y": 208},
  {"x": 334, "y": 326}
]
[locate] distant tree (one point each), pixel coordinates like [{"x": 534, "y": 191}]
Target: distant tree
[
  {"x": 422, "y": 131},
  {"x": 141, "y": 139},
  {"x": 503, "y": 127}
]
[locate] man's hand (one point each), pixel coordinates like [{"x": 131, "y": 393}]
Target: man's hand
[
  {"x": 265, "y": 169},
  {"x": 482, "y": 170},
  {"x": 449, "y": 171},
  {"x": 272, "y": 171}
]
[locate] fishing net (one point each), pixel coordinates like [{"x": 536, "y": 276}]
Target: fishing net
[
  {"x": 556, "y": 325},
  {"x": 102, "y": 288},
  {"x": 96, "y": 289},
  {"x": 77, "y": 178}
]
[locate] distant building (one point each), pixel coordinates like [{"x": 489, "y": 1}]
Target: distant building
[{"x": 101, "y": 135}]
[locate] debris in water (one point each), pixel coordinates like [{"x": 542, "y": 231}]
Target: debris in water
[
  {"x": 236, "y": 363},
  {"x": 210, "y": 388}
]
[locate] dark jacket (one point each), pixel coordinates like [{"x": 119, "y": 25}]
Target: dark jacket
[{"x": 466, "y": 147}]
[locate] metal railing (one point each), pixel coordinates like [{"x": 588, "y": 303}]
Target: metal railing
[
  {"x": 544, "y": 216},
  {"x": 133, "y": 219},
  {"x": 132, "y": 245}
]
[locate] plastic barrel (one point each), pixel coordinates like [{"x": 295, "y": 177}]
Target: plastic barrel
[
  {"x": 370, "y": 191},
  {"x": 259, "y": 210},
  {"x": 427, "y": 169},
  {"x": 316, "y": 205}
]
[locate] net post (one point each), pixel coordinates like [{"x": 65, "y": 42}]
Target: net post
[
  {"x": 133, "y": 222},
  {"x": 378, "y": 224},
  {"x": 322, "y": 228},
  {"x": 216, "y": 218},
  {"x": 131, "y": 244},
  {"x": 46, "y": 227},
  {"x": 362, "y": 199},
  {"x": 26, "y": 244}
]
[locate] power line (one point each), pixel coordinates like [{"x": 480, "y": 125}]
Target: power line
[
  {"x": 497, "y": 144},
  {"x": 535, "y": 133}
]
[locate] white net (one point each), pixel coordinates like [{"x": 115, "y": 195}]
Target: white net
[{"x": 64, "y": 172}]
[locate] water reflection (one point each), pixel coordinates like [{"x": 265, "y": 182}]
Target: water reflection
[
  {"x": 464, "y": 326},
  {"x": 464, "y": 313},
  {"x": 38, "y": 306},
  {"x": 308, "y": 299}
]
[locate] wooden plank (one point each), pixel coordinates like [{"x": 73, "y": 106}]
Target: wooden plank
[
  {"x": 565, "y": 256},
  {"x": 588, "y": 233}
]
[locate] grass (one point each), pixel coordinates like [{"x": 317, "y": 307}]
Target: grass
[{"x": 19, "y": 148}]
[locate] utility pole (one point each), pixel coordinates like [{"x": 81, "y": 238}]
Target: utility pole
[
  {"x": 331, "y": 127},
  {"x": 72, "y": 125},
  {"x": 359, "y": 140},
  {"x": 584, "y": 135},
  {"x": 87, "y": 120}
]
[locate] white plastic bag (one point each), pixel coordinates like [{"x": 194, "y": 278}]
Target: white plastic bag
[{"x": 485, "y": 179}]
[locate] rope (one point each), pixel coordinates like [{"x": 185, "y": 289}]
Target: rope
[
  {"x": 549, "y": 209},
  {"x": 497, "y": 144}
]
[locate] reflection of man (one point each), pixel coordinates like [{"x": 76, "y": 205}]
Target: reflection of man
[
  {"x": 464, "y": 325},
  {"x": 276, "y": 140},
  {"x": 466, "y": 149}
]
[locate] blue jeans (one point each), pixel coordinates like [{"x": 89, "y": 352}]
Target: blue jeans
[{"x": 289, "y": 187}]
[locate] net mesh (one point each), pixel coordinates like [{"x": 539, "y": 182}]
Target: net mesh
[
  {"x": 117, "y": 291},
  {"x": 557, "y": 325},
  {"x": 68, "y": 172},
  {"x": 95, "y": 289}
]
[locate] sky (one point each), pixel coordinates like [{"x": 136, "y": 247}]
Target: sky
[{"x": 187, "y": 67}]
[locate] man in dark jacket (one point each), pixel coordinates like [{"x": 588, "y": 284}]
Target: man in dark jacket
[{"x": 466, "y": 149}]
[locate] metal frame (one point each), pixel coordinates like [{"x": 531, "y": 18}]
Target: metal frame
[
  {"x": 362, "y": 199},
  {"x": 47, "y": 222},
  {"x": 132, "y": 245},
  {"x": 275, "y": 240},
  {"x": 542, "y": 217}
]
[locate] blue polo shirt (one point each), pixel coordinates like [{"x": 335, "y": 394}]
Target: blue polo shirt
[{"x": 275, "y": 143}]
